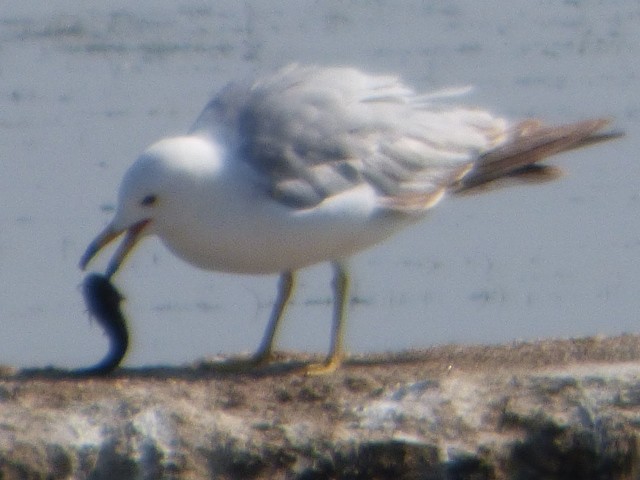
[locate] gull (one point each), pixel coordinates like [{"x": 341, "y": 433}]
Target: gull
[{"x": 315, "y": 164}]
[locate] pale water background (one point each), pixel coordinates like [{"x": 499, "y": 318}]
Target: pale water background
[{"x": 86, "y": 85}]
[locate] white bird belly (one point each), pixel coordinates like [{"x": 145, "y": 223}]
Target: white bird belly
[{"x": 256, "y": 237}]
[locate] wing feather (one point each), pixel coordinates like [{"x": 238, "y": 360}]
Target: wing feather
[{"x": 313, "y": 132}]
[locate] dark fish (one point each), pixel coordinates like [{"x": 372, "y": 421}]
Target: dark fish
[{"x": 103, "y": 302}]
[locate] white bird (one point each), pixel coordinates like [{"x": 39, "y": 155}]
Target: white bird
[{"x": 315, "y": 164}]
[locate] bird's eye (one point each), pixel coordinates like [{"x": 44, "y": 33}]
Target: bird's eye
[{"x": 148, "y": 200}]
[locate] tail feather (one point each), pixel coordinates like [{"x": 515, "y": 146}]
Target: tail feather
[{"x": 531, "y": 142}]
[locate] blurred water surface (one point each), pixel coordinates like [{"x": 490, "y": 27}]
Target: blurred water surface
[{"x": 86, "y": 85}]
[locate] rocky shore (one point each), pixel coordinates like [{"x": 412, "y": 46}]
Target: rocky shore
[{"x": 548, "y": 409}]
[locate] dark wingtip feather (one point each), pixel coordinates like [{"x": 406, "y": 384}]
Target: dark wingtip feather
[{"x": 531, "y": 142}]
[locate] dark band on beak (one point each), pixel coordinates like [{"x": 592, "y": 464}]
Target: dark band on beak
[
  {"x": 106, "y": 237},
  {"x": 101, "y": 241},
  {"x": 130, "y": 239}
]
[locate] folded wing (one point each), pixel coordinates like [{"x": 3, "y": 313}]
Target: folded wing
[{"x": 310, "y": 133}]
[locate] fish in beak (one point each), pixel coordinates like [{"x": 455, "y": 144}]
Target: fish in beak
[{"x": 131, "y": 237}]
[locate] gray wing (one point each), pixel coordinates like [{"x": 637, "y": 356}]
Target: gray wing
[{"x": 311, "y": 133}]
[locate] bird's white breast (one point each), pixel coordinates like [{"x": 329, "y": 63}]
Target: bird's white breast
[{"x": 238, "y": 229}]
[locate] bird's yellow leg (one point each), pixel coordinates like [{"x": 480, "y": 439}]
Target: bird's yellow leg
[
  {"x": 341, "y": 297},
  {"x": 264, "y": 353},
  {"x": 286, "y": 285}
]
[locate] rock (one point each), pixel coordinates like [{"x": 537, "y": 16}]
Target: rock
[{"x": 561, "y": 409}]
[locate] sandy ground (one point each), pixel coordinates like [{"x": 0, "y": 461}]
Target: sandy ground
[
  {"x": 548, "y": 409},
  {"x": 282, "y": 380}
]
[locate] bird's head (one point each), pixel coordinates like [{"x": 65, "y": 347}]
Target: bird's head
[{"x": 152, "y": 193}]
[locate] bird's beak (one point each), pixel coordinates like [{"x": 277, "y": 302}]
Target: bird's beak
[{"x": 109, "y": 234}]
